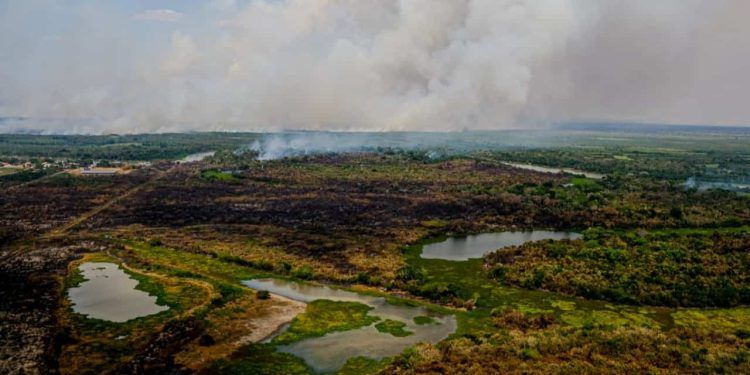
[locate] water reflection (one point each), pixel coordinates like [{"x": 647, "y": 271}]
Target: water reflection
[
  {"x": 330, "y": 352},
  {"x": 109, "y": 294},
  {"x": 476, "y": 246}
]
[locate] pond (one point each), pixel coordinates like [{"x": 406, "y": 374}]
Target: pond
[
  {"x": 109, "y": 294},
  {"x": 538, "y": 168},
  {"x": 476, "y": 246},
  {"x": 330, "y": 352}
]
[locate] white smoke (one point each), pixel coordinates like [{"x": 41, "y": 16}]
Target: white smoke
[
  {"x": 296, "y": 144},
  {"x": 373, "y": 65}
]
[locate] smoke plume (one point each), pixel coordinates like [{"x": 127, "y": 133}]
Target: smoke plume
[{"x": 384, "y": 65}]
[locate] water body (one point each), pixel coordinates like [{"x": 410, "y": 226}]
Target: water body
[
  {"x": 109, "y": 294},
  {"x": 330, "y": 352},
  {"x": 538, "y": 168},
  {"x": 197, "y": 156},
  {"x": 476, "y": 246}
]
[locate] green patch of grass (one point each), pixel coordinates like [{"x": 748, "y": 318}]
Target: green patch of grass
[
  {"x": 424, "y": 320},
  {"x": 531, "y": 310},
  {"x": 216, "y": 175},
  {"x": 476, "y": 323},
  {"x": 530, "y": 354},
  {"x": 434, "y": 223},
  {"x": 605, "y": 318},
  {"x": 74, "y": 278},
  {"x": 714, "y": 320},
  {"x": 174, "y": 261},
  {"x": 564, "y": 305},
  {"x": 260, "y": 359},
  {"x": 394, "y": 327},
  {"x": 324, "y": 316},
  {"x": 583, "y": 182},
  {"x": 8, "y": 171},
  {"x": 363, "y": 366}
]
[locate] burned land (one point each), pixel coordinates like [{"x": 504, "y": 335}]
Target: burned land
[{"x": 189, "y": 233}]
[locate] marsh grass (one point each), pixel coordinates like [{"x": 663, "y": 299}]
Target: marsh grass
[
  {"x": 393, "y": 327},
  {"x": 325, "y": 316}
]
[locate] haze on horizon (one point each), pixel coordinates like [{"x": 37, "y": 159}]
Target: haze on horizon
[{"x": 166, "y": 65}]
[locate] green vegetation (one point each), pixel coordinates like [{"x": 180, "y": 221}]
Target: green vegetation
[
  {"x": 260, "y": 359},
  {"x": 686, "y": 267},
  {"x": 424, "y": 320},
  {"x": 8, "y": 171},
  {"x": 91, "y": 338},
  {"x": 363, "y": 366},
  {"x": 120, "y": 147},
  {"x": 263, "y": 359},
  {"x": 718, "y": 320},
  {"x": 394, "y": 327},
  {"x": 467, "y": 283},
  {"x": 23, "y": 176},
  {"x": 527, "y": 343},
  {"x": 184, "y": 264},
  {"x": 324, "y": 316},
  {"x": 191, "y": 233},
  {"x": 671, "y": 156},
  {"x": 217, "y": 175}
]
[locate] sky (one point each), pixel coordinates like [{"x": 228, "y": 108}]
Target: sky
[{"x": 81, "y": 66}]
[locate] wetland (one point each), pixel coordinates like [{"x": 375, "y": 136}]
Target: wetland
[
  {"x": 108, "y": 293},
  {"x": 476, "y": 246},
  {"x": 331, "y": 351},
  {"x": 428, "y": 261}
]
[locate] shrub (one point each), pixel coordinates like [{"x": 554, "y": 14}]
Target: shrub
[
  {"x": 304, "y": 273},
  {"x": 206, "y": 340},
  {"x": 408, "y": 272},
  {"x": 362, "y": 278},
  {"x": 498, "y": 273}
]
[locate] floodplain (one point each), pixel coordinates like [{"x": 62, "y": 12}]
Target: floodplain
[{"x": 442, "y": 258}]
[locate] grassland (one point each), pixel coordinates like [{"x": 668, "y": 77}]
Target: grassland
[
  {"x": 324, "y": 316},
  {"x": 393, "y": 327},
  {"x": 8, "y": 171}
]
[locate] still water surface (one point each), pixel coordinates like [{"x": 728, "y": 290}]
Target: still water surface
[
  {"x": 476, "y": 246},
  {"x": 109, "y": 294},
  {"x": 330, "y": 352}
]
